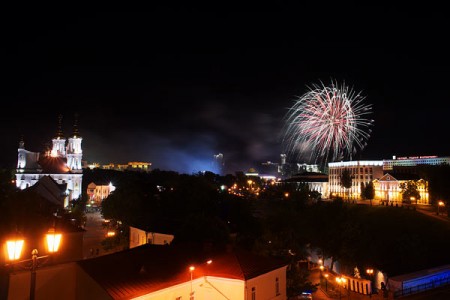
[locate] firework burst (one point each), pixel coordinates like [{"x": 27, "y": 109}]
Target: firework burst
[{"x": 327, "y": 123}]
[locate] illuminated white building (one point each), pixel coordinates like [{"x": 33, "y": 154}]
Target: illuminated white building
[
  {"x": 362, "y": 171},
  {"x": 139, "y": 237},
  {"x": 97, "y": 192},
  {"x": 386, "y": 185},
  {"x": 413, "y": 161},
  {"x": 316, "y": 181},
  {"x": 387, "y": 188},
  {"x": 218, "y": 163},
  {"x": 62, "y": 163},
  {"x": 131, "y": 166}
]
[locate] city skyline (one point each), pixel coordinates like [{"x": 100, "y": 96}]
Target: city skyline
[{"x": 175, "y": 87}]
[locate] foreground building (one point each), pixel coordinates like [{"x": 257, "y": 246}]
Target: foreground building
[
  {"x": 160, "y": 272},
  {"x": 62, "y": 163}
]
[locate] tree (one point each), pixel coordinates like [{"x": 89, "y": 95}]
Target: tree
[
  {"x": 346, "y": 181},
  {"x": 410, "y": 190},
  {"x": 368, "y": 191},
  {"x": 297, "y": 280},
  {"x": 438, "y": 187}
]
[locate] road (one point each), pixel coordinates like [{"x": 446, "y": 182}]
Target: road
[
  {"x": 95, "y": 233},
  {"x": 430, "y": 211}
]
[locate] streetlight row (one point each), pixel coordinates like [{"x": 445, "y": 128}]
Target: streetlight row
[{"x": 341, "y": 281}]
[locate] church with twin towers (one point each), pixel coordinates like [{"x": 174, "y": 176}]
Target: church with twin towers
[{"x": 62, "y": 163}]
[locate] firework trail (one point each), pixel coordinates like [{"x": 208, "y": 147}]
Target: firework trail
[{"x": 327, "y": 124}]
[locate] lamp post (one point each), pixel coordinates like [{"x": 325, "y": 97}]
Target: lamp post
[
  {"x": 250, "y": 182},
  {"x": 413, "y": 199},
  {"x": 339, "y": 281},
  {"x": 326, "y": 282},
  {"x": 14, "y": 249},
  {"x": 344, "y": 283},
  {"x": 370, "y": 273},
  {"x": 191, "y": 294},
  {"x": 321, "y": 268},
  {"x": 440, "y": 203}
]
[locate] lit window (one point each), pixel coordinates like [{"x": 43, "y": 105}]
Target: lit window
[{"x": 253, "y": 293}]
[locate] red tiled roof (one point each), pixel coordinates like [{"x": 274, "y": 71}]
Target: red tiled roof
[
  {"x": 53, "y": 165},
  {"x": 148, "y": 268}
]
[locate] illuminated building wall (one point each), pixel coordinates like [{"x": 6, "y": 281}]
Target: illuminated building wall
[
  {"x": 140, "y": 237},
  {"x": 387, "y": 186},
  {"x": 219, "y": 163},
  {"x": 316, "y": 182},
  {"x": 387, "y": 189},
  {"x": 62, "y": 163},
  {"x": 361, "y": 172},
  {"x": 131, "y": 166},
  {"x": 97, "y": 193},
  {"x": 74, "y": 152},
  {"x": 412, "y": 161}
]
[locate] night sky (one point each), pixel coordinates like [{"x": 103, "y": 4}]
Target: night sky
[{"x": 174, "y": 86}]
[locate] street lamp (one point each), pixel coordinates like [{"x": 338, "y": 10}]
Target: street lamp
[
  {"x": 326, "y": 282},
  {"x": 14, "y": 249},
  {"x": 413, "y": 199},
  {"x": 440, "y": 203},
  {"x": 191, "y": 294},
  {"x": 341, "y": 282},
  {"x": 338, "y": 280},
  {"x": 370, "y": 273},
  {"x": 250, "y": 184}
]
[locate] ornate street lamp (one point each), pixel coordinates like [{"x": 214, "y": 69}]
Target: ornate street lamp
[{"x": 14, "y": 249}]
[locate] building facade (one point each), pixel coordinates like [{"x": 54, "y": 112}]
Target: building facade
[
  {"x": 140, "y": 237},
  {"x": 361, "y": 172},
  {"x": 413, "y": 161},
  {"x": 158, "y": 272},
  {"x": 317, "y": 182},
  {"x": 98, "y": 192},
  {"x": 388, "y": 191},
  {"x": 386, "y": 185},
  {"x": 130, "y": 166},
  {"x": 62, "y": 163}
]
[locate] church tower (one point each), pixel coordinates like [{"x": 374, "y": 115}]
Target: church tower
[
  {"x": 74, "y": 151},
  {"x": 21, "y": 159},
  {"x": 59, "y": 142},
  {"x": 63, "y": 165}
]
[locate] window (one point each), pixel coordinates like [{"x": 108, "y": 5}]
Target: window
[{"x": 253, "y": 293}]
